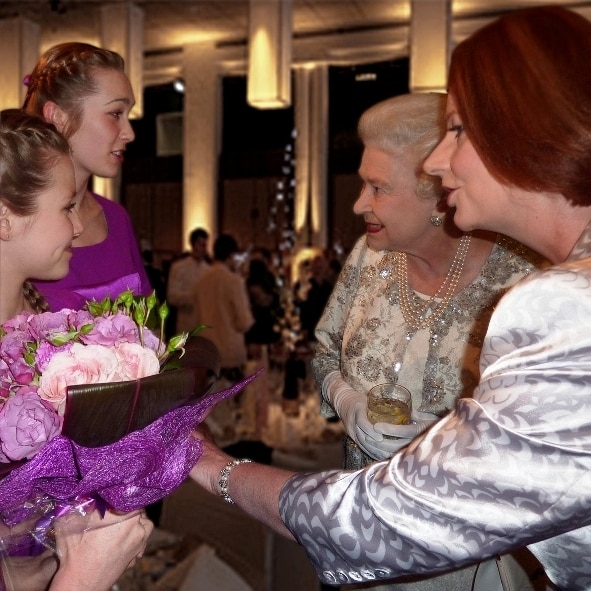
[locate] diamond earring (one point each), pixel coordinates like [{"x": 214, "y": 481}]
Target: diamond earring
[{"x": 436, "y": 221}]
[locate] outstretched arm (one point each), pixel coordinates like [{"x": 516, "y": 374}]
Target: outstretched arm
[{"x": 253, "y": 487}]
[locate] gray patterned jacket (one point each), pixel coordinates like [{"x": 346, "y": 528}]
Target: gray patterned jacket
[{"x": 509, "y": 467}]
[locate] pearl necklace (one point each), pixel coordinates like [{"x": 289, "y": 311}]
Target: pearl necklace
[{"x": 414, "y": 314}]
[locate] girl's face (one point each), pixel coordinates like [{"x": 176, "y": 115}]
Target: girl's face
[
  {"x": 42, "y": 241},
  {"x": 396, "y": 217},
  {"x": 99, "y": 143},
  {"x": 480, "y": 200}
]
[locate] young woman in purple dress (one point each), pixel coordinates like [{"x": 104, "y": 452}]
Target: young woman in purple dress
[{"x": 84, "y": 91}]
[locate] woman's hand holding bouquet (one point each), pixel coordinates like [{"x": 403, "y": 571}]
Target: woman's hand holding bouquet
[{"x": 79, "y": 376}]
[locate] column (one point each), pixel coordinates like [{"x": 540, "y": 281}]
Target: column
[
  {"x": 201, "y": 138},
  {"x": 311, "y": 149},
  {"x": 430, "y": 34},
  {"x": 122, "y": 30},
  {"x": 19, "y": 48}
]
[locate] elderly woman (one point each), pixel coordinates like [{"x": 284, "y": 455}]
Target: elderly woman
[
  {"x": 416, "y": 293},
  {"x": 415, "y": 296},
  {"x": 511, "y": 465}
]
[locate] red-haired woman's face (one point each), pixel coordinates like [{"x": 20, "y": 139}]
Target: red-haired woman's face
[{"x": 480, "y": 200}]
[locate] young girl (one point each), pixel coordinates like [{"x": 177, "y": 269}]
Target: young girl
[
  {"x": 37, "y": 193},
  {"x": 38, "y": 223},
  {"x": 84, "y": 91}
]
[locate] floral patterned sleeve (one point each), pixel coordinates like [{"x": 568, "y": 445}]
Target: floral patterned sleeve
[
  {"x": 330, "y": 327},
  {"x": 510, "y": 466}
]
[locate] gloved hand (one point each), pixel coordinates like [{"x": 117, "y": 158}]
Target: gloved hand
[
  {"x": 404, "y": 434},
  {"x": 351, "y": 406}
]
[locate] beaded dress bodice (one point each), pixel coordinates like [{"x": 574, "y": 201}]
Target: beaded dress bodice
[{"x": 363, "y": 333}]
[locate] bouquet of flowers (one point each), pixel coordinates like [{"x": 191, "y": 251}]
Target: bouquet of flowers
[
  {"x": 60, "y": 448},
  {"x": 42, "y": 355}
]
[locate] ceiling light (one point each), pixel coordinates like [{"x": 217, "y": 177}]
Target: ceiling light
[{"x": 269, "y": 54}]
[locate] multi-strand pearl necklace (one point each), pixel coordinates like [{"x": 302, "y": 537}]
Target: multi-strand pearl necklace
[{"x": 413, "y": 314}]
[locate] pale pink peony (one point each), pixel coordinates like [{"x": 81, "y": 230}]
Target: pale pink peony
[
  {"x": 82, "y": 364},
  {"x": 135, "y": 362}
]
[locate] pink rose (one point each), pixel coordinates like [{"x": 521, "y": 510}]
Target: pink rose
[
  {"x": 82, "y": 364},
  {"x": 20, "y": 322},
  {"x": 112, "y": 330},
  {"x": 45, "y": 352},
  {"x": 136, "y": 362},
  {"x": 27, "y": 423},
  {"x": 79, "y": 318}
]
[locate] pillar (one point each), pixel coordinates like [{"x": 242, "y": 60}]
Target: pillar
[
  {"x": 122, "y": 30},
  {"x": 201, "y": 138},
  {"x": 19, "y": 48},
  {"x": 430, "y": 34},
  {"x": 311, "y": 149}
]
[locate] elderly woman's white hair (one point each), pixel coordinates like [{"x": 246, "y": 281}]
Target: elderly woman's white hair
[{"x": 407, "y": 122}]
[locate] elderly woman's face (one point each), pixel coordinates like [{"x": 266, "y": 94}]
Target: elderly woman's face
[
  {"x": 395, "y": 216},
  {"x": 480, "y": 200}
]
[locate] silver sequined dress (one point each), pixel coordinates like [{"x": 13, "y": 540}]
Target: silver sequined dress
[{"x": 363, "y": 334}]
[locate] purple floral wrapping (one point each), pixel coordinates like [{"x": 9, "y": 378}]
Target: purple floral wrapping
[{"x": 139, "y": 469}]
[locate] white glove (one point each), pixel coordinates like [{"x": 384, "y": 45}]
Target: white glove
[
  {"x": 405, "y": 433},
  {"x": 351, "y": 406}
]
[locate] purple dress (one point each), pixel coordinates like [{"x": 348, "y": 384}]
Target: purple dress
[{"x": 101, "y": 270}]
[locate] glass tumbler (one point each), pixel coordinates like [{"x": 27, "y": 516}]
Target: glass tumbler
[{"x": 389, "y": 403}]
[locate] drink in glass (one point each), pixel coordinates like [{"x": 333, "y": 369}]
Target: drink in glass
[{"x": 389, "y": 403}]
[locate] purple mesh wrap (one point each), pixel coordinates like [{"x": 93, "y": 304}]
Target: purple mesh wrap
[{"x": 139, "y": 469}]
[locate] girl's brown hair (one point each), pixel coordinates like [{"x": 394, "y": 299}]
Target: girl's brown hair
[{"x": 65, "y": 75}]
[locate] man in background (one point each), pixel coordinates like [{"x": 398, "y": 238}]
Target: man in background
[
  {"x": 183, "y": 274},
  {"x": 221, "y": 303}
]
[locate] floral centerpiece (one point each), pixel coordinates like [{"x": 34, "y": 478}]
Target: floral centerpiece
[{"x": 108, "y": 345}]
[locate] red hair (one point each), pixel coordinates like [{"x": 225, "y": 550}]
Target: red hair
[{"x": 522, "y": 85}]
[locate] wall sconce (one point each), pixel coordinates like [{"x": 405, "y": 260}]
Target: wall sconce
[{"x": 269, "y": 54}]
